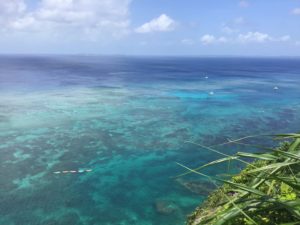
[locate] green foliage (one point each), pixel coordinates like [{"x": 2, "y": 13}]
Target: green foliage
[
  {"x": 286, "y": 192},
  {"x": 266, "y": 191}
]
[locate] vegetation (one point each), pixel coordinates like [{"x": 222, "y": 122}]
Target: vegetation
[{"x": 266, "y": 192}]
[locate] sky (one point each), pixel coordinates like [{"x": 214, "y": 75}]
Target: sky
[{"x": 151, "y": 27}]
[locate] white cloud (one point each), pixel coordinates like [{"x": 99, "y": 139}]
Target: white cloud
[
  {"x": 296, "y": 11},
  {"x": 239, "y": 20},
  {"x": 254, "y": 37},
  {"x": 23, "y": 23},
  {"x": 244, "y": 4},
  {"x": 12, "y": 7},
  {"x": 162, "y": 23},
  {"x": 250, "y": 37},
  {"x": 228, "y": 30},
  {"x": 208, "y": 39},
  {"x": 259, "y": 37},
  {"x": 223, "y": 40},
  {"x": 284, "y": 38},
  {"x": 91, "y": 12},
  {"x": 81, "y": 16},
  {"x": 10, "y": 11},
  {"x": 234, "y": 26},
  {"x": 187, "y": 41}
]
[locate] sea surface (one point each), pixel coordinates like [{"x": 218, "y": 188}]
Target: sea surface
[{"x": 95, "y": 140}]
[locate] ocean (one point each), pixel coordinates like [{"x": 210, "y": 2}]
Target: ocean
[{"x": 96, "y": 140}]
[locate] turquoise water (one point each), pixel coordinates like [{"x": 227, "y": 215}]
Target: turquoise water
[{"x": 127, "y": 120}]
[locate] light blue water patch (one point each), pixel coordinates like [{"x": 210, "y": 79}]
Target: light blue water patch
[{"x": 204, "y": 95}]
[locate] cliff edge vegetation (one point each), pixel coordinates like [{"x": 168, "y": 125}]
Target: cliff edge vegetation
[{"x": 265, "y": 192}]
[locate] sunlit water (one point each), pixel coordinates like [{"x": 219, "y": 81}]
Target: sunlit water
[{"x": 128, "y": 119}]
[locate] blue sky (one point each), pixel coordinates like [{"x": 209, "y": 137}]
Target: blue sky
[{"x": 145, "y": 27}]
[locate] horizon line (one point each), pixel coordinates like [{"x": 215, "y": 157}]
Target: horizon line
[{"x": 152, "y": 55}]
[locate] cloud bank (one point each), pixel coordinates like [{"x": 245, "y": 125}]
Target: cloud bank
[
  {"x": 243, "y": 38},
  {"x": 81, "y": 16},
  {"x": 162, "y": 23}
]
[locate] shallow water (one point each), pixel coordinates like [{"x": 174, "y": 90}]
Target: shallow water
[{"x": 128, "y": 119}]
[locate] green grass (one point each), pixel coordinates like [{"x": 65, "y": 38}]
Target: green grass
[{"x": 266, "y": 192}]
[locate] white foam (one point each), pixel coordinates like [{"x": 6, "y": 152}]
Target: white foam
[{"x": 73, "y": 171}]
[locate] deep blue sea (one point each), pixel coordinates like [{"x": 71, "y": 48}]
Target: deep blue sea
[{"x": 94, "y": 140}]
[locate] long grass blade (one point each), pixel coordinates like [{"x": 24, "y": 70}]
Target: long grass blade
[
  {"x": 208, "y": 164},
  {"x": 218, "y": 152},
  {"x": 272, "y": 166},
  {"x": 261, "y": 156}
]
